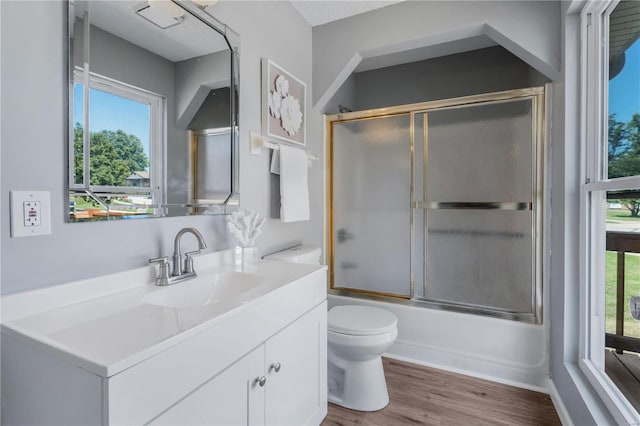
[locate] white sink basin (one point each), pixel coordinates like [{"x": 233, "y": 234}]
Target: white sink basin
[{"x": 203, "y": 291}]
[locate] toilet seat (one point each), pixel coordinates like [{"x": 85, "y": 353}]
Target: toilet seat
[{"x": 360, "y": 320}]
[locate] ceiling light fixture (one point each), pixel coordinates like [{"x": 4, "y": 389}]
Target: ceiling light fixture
[
  {"x": 162, "y": 13},
  {"x": 205, "y": 3}
]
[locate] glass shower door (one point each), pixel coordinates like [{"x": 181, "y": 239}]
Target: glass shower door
[
  {"x": 479, "y": 207},
  {"x": 371, "y": 200},
  {"x": 440, "y": 203},
  {"x": 211, "y": 184}
]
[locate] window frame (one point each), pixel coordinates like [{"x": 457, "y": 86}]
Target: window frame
[
  {"x": 594, "y": 185},
  {"x": 157, "y": 135}
]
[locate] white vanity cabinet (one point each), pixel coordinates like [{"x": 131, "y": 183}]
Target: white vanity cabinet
[
  {"x": 59, "y": 370},
  {"x": 227, "y": 399},
  {"x": 292, "y": 369},
  {"x": 296, "y": 394}
]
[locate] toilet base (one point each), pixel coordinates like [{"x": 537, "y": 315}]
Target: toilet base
[{"x": 358, "y": 385}]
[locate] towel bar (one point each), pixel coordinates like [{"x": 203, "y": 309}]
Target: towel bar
[{"x": 257, "y": 142}]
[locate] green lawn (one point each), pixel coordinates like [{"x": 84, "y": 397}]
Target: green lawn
[
  {"x": 84, "y": 202},
  {"x": 632, "y": 288},
  {"x": 620, "y": 215}
]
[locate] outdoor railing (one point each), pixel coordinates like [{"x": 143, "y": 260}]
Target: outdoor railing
[{"x": 622, "y": 243}]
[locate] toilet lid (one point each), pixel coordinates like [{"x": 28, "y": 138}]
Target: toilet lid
[{"x": 360, "y": 320}]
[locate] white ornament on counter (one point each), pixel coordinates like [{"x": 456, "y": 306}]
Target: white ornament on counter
[{"x": 245, "y": 226}]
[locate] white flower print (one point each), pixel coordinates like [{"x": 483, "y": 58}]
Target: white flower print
[
  {"x": 291, "y": 116},
  {"x": 282, "y": 85},
  {"x": 275, "y": 101}
]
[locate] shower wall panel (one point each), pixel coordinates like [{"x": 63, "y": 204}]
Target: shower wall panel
[
  {"x": 480, "y": 153},
  {"x": 211, "y": 183},
  {"x": 480, "y": 258},
  {"x": 371, "y": 205},
  {"x": 480, "y": 176}
]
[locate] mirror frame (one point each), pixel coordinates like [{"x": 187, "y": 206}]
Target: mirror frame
[{"x": 232, "y": 202}]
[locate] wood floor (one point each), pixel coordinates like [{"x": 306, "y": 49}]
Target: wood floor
[
  {"x": 624, "y": 370},
  {"x": 427, "y": 396}
]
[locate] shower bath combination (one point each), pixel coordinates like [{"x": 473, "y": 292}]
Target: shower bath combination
[{"x": 440, "y": 204}]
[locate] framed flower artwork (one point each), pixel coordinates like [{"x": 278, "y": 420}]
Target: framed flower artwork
[{"x": 283, "y": 104}]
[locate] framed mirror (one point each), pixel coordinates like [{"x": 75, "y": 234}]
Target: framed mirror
[{"x": 153, "y": 110}]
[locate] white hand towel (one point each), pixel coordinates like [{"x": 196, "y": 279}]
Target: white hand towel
[
  {"x": 294, "y": 186},
  {"x": 275, "y": 162}
]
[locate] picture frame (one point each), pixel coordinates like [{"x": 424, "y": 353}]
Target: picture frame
[{"x": 284, "y": 99}]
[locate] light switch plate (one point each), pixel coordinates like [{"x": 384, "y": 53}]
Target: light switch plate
[{"x": 30, "y": 213}]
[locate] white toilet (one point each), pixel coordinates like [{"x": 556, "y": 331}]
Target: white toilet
[{"x": 357, "y": 337}]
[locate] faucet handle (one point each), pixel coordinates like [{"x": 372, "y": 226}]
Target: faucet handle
[
  {"x": 161, "y": 260},
  {"x": 163, "y": 271},
  {"x": 188, "y": 261}
]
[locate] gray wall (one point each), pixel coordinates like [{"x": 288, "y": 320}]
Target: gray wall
[
  {"x": 263, "y": 35},
  {"x": 214, "y": 111},
  {"x": 480, "y": 71},
  {"x": 345, "y": 96},
  {"x": 33, "y": 97},
  {"x": 195, "y": 78},
  {"x": 529, "y": 29}
]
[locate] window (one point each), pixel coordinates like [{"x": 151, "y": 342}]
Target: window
[
  {"x": 116, "y": 149},
  {"x": 610, "y": 336}
]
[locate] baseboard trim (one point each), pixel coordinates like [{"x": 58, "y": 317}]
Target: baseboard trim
[
  {"x": 470, "y": 366},
  {"x": 561, "y": 409}
]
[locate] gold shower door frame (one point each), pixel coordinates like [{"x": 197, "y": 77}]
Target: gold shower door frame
[{"x": 537, "y": 97}]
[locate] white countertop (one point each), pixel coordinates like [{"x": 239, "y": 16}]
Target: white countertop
[{"x": 107, "y": 331}]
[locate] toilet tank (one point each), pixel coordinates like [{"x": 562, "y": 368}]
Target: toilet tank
[{"x": 299, "y": 254}]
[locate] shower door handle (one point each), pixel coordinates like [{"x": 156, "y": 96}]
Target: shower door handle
[
  {"x": 474, "y": 205},
  {"x": 344, "y": 235},
  {"x": 420, "y": 205}
]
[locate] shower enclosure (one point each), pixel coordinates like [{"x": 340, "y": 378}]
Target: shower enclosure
[{"x": 440, "y": 203}]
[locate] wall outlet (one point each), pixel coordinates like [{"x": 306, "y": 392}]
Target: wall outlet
[{"x": 30, "y": 213}]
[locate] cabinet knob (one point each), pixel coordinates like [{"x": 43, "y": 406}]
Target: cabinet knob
[
  {"x": 261, "y": 381},
  {"x": 276, "y": 366}
]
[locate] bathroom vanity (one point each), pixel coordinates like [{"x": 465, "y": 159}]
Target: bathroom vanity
[{"x": 229, "y": 347}]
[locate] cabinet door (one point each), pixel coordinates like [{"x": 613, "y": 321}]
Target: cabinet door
[
  {"x": 297, "y": 393},
  {"x": 224, "y": 400}
]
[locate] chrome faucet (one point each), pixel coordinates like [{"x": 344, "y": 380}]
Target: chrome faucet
[
  {"x": 178, "y": 270},
  {"x": 181, "y": 271}
]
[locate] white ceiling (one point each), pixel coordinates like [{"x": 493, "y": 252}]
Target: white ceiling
[
  {"x": 318, "y": 12},
  {"x": 175, "y": 43}
]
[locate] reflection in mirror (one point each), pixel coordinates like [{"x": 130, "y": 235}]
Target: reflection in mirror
[{"x": 152, "y": 111}]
